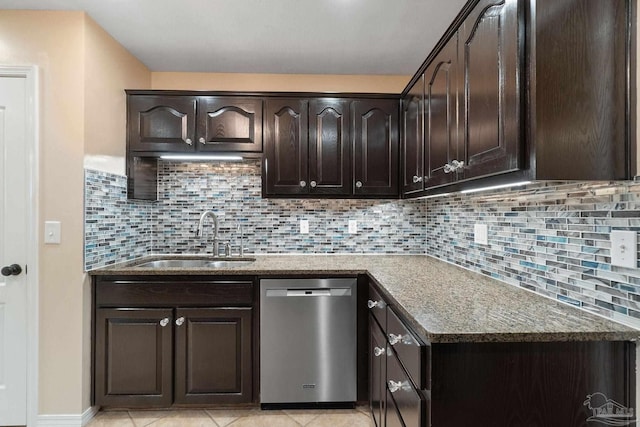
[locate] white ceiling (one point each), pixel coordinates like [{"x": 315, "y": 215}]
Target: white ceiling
[{"x": 270, "y": 36}]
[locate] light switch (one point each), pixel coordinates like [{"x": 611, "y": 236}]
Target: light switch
[
  {"x": 353, "y": 226},
  {"x": 624, "y": 248},
  {"x": 52, "y": 232},
  {"x": 480, "y": 234},
  {"x": 304, "y": 226}
]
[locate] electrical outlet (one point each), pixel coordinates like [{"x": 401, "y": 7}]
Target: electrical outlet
[
  {"x": 353, "y": 226},
  {"x": 480, "y": 234},
  {"x": 624, "y": 248},
  {"x": 304, "y": 226}
]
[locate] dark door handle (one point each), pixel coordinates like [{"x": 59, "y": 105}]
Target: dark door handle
[{"x": 11, "y": 270}]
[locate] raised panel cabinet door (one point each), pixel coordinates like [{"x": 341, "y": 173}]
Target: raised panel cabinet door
[
  {"x": 159, "y": 123},
  {"x": 329, "y": 147},
  {"x": 413, "y": 138},
  {"x": 489, "y": 53},
  {"x": 213, "y": 362},
  {"x": 376, "y": 147},
  {"x": 286, "y": 147},
  {"x": 133, "y": 357},
  {"x": 441, "y": 119},
  {"x": 377, "y": 372},
  {"x": 229, "y": 124}
]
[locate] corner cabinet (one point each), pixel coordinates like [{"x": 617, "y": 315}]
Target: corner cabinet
[
  {"x": 173, "y": 340},
  {"x": 337, "y": 147},
  {"x": 508, "y": 96}
]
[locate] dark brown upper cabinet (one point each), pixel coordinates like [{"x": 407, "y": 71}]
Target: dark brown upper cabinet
[
  {"x": 160, "y": 124},
  {"x": 521, "y": 90},
  {"x": 336, "y": 147},
  {"x": 286, "y": 163},
  {"x": 413, "y": 138},
  {"x": 229, "y": 124},
  {"x": 376, "y": 147}
]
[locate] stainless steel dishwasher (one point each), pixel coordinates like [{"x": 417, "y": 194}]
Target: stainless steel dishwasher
[{"x": 308, "y": 341}]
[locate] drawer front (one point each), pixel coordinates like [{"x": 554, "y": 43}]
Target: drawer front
[
  {"x": 393, "y": 418},
  {"x": 409, "y": 402},
  {"x": 377, "y": 371},
  {"x": 163, "y": 293},
  {"x": 411, "y": 351},
  {"x": 377, "y": 307}
]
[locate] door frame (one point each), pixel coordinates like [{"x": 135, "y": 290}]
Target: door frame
[{"x": 30, "y": 74}]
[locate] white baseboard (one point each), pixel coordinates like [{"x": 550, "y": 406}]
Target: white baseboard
[{"x": 68, "y": 420}]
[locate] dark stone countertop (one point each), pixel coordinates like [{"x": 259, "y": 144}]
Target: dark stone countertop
[{"x": 444, "y": 303}]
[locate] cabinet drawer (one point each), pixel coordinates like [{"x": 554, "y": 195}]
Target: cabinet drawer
[
  {"x": 172, "y": 292},
  {"x": 411, "y": 351},
  {"x": 378, "y": 307},
  {"x": 409, "y": 402}
]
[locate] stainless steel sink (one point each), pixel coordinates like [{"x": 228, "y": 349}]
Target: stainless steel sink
[{"x": 197, "y": 263}]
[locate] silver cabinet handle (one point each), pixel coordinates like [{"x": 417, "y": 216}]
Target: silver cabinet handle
[
  {"x": 303, "y": 184},
  {"x": 379, "y": 304},
  {"x": 202, "y": 141},
  {"x": 397, "y": 385},
  {"x": 188, "y": 141},
  {"x": 358, "y": 184},
  {"x": 417, "y": 179},
  {"x": 164, "y": 322},
  {"x": 180, "y": 321},
  {"x": 377, "y": 351},
  {"x": 313, "y": 184},
  {"x": 394, "y": 339},
  {"x": 457, "y": 165},
  {"x": 448, "y": 168}
]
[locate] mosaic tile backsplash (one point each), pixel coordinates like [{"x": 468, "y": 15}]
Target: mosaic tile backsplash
[
  {"x": 551, "y": 238},
  {"x": 118, "y": 229},
  {"x": 115, "y": 229}
]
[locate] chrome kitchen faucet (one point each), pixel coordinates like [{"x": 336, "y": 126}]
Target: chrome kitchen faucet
[{"x": 200, "y": 231}]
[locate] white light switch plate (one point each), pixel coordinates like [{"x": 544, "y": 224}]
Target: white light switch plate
[
  {"x": 52, "y": 232},
  {"x": 353, "y": 226},
  {"x": 304, "y": 226},
  {"x": 624, "y": 248},
  {"x": 480, "y": 234}
]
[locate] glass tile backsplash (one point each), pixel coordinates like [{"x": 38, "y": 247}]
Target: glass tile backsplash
[{"x": 551, "y": 238}]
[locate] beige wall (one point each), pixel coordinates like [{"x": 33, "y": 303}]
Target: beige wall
[
  {"x": 279, "y": 82},
  {"x": 73, "y": 57}
]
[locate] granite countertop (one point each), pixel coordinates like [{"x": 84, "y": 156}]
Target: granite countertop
[{"x": 444, "y": 303}]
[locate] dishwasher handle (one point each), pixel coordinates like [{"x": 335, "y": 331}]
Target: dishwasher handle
[{"x": 309, "y": 292}]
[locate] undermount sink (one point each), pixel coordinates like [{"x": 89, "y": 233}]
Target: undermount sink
[{"x": 196, "y": 263}]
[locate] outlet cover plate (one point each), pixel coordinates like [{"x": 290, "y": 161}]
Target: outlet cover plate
[
  {"x": 52, "y": 231},
  {"x": 353, "y": 226},
  {"x": 304, "y": 226},
  {"x": 480, "y": 234},
  {"x": 624, "y": 248}
]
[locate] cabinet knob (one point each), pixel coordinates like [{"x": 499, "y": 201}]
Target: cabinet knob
[
  {"x": 313, "y": 184},
  {"x": 180, "y": 321},
  {"x": 394, "y": 339},
  {"x": 448, "y": 168},
  {"x": 417, "y": 179},
  {"x": 358, "y": 184},
  {"x": 397, "y": 385},
  {"x": 377, "y": 351},
  {"x": 457, "y": 165},
  {"x": 188, "y": 141},
  {"x": 303, "y": 184},
  {"x": 202, "y": 140},
  {"x": 379, "y": 304},
  {"x": 164, "y": 322}
]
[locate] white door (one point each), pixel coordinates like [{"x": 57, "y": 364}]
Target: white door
[{"x": 14, "y": 200}]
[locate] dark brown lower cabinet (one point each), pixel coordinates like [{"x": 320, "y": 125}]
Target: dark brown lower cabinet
[
  {"x": 134, "y": 362},
  {"x": 377, "y": 371},
  {"x": 213, "y": 355}
]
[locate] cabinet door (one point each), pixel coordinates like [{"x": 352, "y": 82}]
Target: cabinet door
[
  {"x": 329, "y": 147},
  {"x": 490, "y": 101},
  {"x": 377, "y": 371},
  {"x": 161, "y": 123},
  {"x": 413, "y": 138},
  {"x": 133, "y": 357},
  {"x": 213, "y": 362},
  {"x": 229, "y": 124},
  {"x": 375, "y": 133},
  {"x": 286, "y": 145},
  {"x": 441, "y": 127}
]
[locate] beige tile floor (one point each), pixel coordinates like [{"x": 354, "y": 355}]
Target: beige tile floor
[{"x": 358, "y": 417}]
